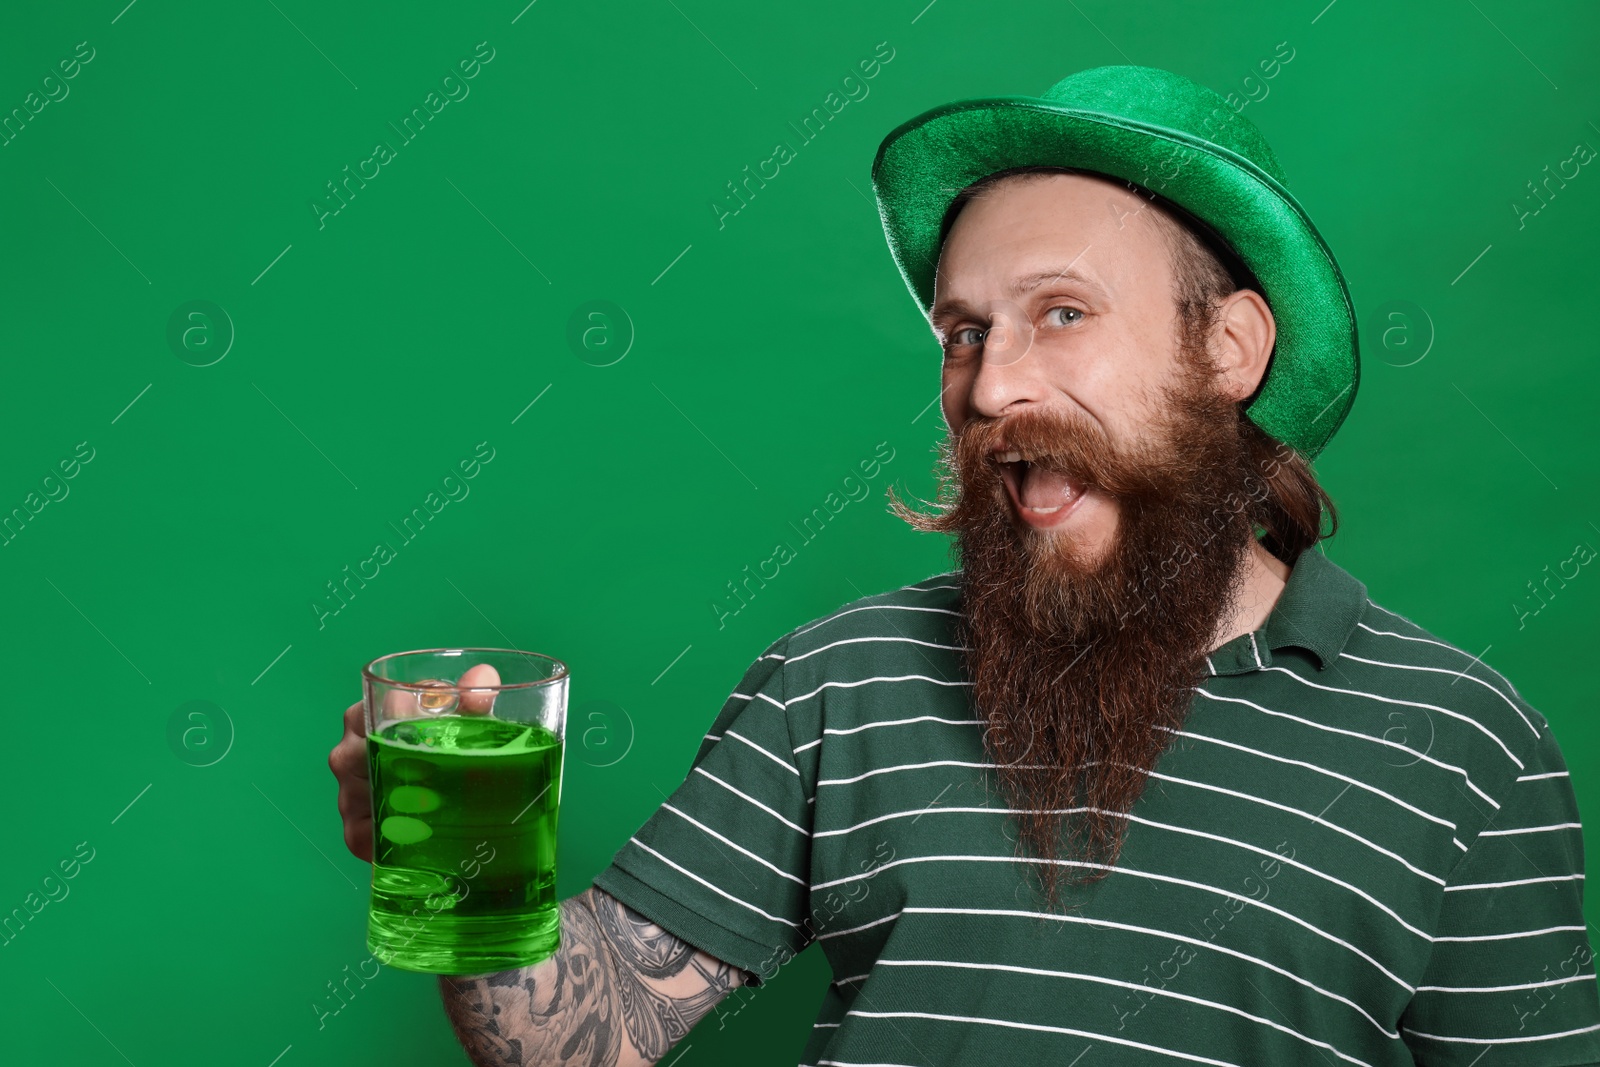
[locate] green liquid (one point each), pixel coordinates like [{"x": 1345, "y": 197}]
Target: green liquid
[{"x": 464, "y": 844}]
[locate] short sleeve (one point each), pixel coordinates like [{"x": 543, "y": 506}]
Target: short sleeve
[
  {"x": 723, "y": 862},
  {"x": 1512, "y": 969}
]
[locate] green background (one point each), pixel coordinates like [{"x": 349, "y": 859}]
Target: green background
[{"x": 772, "y": 352}]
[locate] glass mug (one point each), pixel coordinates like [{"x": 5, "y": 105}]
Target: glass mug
[{"x": 466, "y": 788}]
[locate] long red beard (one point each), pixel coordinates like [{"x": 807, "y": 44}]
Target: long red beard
[{"x": 1079, "y": 668}]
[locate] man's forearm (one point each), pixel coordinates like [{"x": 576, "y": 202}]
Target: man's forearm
[{"x": 618, "y": 992}]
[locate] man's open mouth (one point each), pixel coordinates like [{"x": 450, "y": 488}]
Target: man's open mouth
[{"x": 1041, "y": 489}]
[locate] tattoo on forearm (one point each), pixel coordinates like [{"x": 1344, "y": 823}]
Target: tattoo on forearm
[
  {"x": 654, "y": 1020},
  {"x": 597, "y": 987},
  {"x": 570, "y": 1017}
]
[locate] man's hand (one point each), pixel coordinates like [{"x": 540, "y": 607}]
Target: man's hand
[
  {"x": 618, "y": 992},
  {"x": 348, "y": 760}
]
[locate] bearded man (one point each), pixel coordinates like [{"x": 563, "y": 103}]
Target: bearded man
[{"x": 1145, "y": 778}]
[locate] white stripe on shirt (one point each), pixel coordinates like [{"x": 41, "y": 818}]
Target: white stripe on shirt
[
  {"x": 1503, "y": 1040},
  {"x": 861, "y": 640},
  {"x": 1164, "y": 935},
  {"x": 764, "y": 752},
  {"x": 728, "y": 841},
  {"x": 1130, "y": 872},
  {"x": 720, "y": 892},
  {"x": 1423, "y": 756},
  {"x": 866, "y": 681},
  {"x": 1041, "y": 1027},
  {"x": 1490, "y": 734},
  {"x": 1311, "y": 766},
  {"x": 869, "y": 607},
  {"x": 1155, "y": 990},
  {"x": 1456, "y": 674},
  {"x": 751, "y": 799}
]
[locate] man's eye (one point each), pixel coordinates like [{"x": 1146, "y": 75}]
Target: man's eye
[
  {"x": 966, "y": 335},
  {"x": 1068, "y": 310}
]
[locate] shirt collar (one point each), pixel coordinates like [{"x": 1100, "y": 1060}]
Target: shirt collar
[{"x": 1316, "y": 611}]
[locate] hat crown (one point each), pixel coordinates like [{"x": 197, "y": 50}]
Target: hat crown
[{"x": 1160, "y": 98}]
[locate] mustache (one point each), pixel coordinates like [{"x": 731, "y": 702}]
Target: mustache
[
  {"x": 1069, "y": 442},
  {"x": 1157, "y": 463},
  {"x": 968, "y": 468}
]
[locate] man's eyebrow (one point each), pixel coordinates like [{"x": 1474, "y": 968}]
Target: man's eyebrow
[
  {"x": 1029, "y": 282},
  {"x": 946, "y": 309}
]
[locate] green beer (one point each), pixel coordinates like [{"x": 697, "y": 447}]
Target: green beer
[{"x": 464, "y": 844}]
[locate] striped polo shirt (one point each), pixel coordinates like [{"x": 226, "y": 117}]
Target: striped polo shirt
[{"x": 1362, "y": 846}]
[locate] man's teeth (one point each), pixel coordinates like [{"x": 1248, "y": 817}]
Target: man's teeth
[{"x": 1026, "y": 473}]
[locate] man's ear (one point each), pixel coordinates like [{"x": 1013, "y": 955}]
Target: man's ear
[{"x": 1242, "y": 343}]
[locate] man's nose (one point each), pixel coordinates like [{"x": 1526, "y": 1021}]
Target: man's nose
[
  {"x": 1009, "y": 373},
  {"x": 1006, "y": 340}
]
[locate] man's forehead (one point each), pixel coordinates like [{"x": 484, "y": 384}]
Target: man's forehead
[
  {"x": 1090, "y": 239},
  {"x": 1061, "y": 203},
  {"x": 1014, "y": 270},
  {"x": 1023, "y": 276}
]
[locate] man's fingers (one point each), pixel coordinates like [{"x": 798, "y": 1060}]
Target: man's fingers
[
  {"x": 348, "y": 762},
  {"x": 355, "y": 799},
  {"x": 400, "y": 704},
  {"x": 473, "y": 694},
  {"x": 478, "y": 701},
  {"x": 349, "y": 757},
  {"x": 413, "y": 703},
  {"x": 358, "y": 838}
]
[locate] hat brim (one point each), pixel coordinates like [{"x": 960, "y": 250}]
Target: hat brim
[{"x": 1311, "y": 380}]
